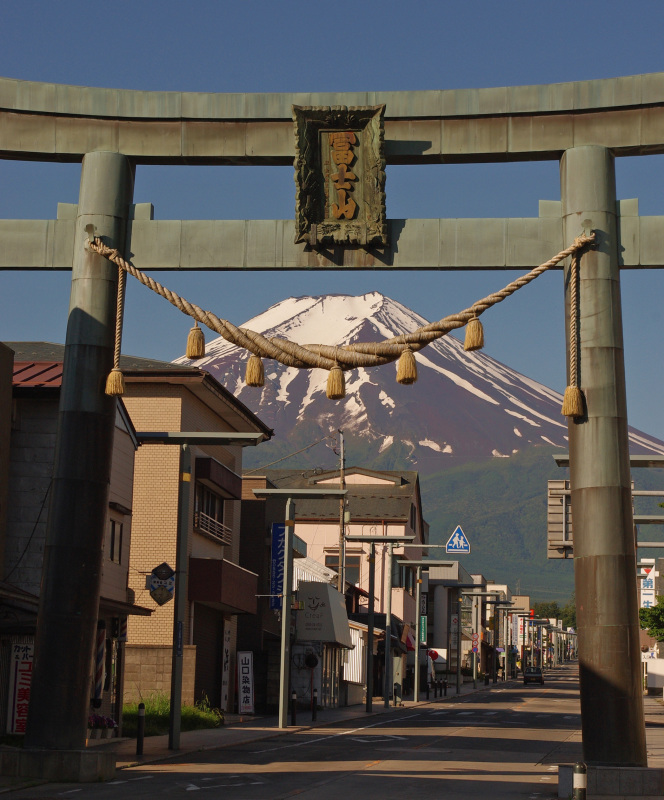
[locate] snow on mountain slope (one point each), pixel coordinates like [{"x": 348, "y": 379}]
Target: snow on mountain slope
[{"x": 464, "y": 405}]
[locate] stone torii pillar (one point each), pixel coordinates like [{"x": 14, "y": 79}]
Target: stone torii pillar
[
  {"x": 71, "y": 577},
  {"x": 604, "y": 548}
]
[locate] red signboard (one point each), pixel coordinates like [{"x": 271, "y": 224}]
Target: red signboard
[{"x": 20, "y": 678}]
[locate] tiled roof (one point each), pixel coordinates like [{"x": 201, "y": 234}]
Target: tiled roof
[
  {"x": 39, "y": 374},
  {"x": 50, "y": 351}
]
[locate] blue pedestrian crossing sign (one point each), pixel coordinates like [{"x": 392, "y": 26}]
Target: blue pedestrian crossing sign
[{"x": 457, "y": 543}]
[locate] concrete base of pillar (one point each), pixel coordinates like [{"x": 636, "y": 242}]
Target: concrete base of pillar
[
  {"x": 77, "y": 766},
  {"x": 615, "y": 783}
]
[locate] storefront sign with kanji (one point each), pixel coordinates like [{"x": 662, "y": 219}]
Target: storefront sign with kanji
[
  {"x": 20, "y": 678},
  {"x": 245, "y": 681}
]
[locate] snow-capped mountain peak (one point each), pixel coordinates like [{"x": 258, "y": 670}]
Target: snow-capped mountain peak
[{"x": 464, "y": 405}]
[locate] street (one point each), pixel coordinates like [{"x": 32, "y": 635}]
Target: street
[{"x": 503, "y": 742}]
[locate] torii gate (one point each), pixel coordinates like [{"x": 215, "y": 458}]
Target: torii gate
[{"x": 584, "y": 125}]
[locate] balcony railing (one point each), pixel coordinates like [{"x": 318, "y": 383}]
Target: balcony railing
[{"x": 211, "y": 527}]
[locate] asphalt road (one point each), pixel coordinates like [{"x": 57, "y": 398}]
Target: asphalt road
[{"x": 501, "y": 743}]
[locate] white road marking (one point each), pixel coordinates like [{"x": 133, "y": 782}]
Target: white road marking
[
  {"x": 336, "y": 735},
  {"x": 387, "y": 738}
]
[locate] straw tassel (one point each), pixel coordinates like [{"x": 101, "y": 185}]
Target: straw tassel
[
  {"x": 195, "y": 342},
  {"x": 255, "y": 374},
  {"x": 572, "y": 402},
  {"x": 407, "y": 367},
  {"x": 474, "y": 335},
  {"x": 115, "y": 384},
  {"x": 573, "y": 398},
  {"x": 336, "y": 383}
]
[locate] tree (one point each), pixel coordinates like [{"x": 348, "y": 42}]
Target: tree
[
  {"x": 568, "y": 613},
  {"x": 548, "y": 609},
  {"x": 652, "y": 619}
]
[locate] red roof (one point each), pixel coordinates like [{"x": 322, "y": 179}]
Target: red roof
[{"x": 38, "y": 373}]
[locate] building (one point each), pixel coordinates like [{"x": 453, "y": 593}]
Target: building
[
  {"x": 166, "y": 397},
  {"x": 378, "y": 504},
  {"x": 30, "y": 381}
]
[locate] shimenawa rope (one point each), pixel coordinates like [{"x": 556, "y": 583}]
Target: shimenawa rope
[{"x": 337, "y": 358}]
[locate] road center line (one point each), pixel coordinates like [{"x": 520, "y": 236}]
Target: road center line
[{"x": 335, "y": 735}]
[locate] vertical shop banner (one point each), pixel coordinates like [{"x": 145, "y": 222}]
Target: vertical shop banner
[
  {"x": 648, "y": 598},
  {"x": 226, "y": 666},
  {"x": 277, "y": 564},
  {"x": 20, "y": 678},
  {"x": 245, "y": 681},
  {"x": 423, "y": 630}
]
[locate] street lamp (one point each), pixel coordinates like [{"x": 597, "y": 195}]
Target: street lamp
[
  {"x": 184, "y": 439},
  {"x": 290, "y": 495},
  {"x": 390, "y": 541}
]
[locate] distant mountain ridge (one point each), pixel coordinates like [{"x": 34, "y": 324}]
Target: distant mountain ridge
[{"x": 464, "y": 407}]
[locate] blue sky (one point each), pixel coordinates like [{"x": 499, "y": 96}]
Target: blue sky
[{"x": 250, "y": 46}]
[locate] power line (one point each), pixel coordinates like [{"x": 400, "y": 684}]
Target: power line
[{"x": 297, "y": 452}]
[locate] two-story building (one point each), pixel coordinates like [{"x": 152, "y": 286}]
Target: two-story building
[
  {"x": 30, "y": 382},
  {"x": 174, "y": 398},
  {"x": 378, "y": 504}
]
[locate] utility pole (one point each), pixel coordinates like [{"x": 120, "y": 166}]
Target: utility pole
[
  {"x": 458, "y": 647},
  {"x": 341, "y": 585},
  {"x": 370, "y": 625},
  {"x": 388, "y": 626},
  {"x": 179, "y": 612},
  {"x": 418, "y": 617},
  {"x": 286, "y": 614}
]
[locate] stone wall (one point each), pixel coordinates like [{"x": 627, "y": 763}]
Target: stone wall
[{"x": 148, "y": 671}]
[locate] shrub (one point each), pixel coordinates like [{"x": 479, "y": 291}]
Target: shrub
[{"x": 157, "y": 711}]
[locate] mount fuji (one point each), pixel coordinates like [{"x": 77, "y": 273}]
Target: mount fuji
[
  {"x": 464, "y": 406},
  {"x": 480, "y": 434}
]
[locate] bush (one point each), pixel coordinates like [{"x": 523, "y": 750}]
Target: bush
[{"x": 157, "y": 710}]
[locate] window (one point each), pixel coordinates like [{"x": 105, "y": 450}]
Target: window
[
  {"x": 352, "y": 566},
  {"x": 209, "y": 514},
  {"x": 209, "y": 503},
  {"x": 403, "y": 577},
  {"x": 115, "y": 541}
]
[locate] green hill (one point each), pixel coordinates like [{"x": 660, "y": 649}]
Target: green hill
[{"x": 501, "y": 505}]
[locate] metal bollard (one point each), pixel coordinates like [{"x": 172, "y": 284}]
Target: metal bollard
[
  {"x": 314, "y": 709},
  {"x": 293, "y": 706},
  {"x": 428, "y": 690},
  {"x": 486, "y": 679},
  {"x": 140, "y": 729},
  {"x": 579, "y": 781},
  {"x": 445, "y": 688}
]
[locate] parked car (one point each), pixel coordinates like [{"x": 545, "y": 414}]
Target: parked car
[{"x": 533, "y": 675}]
